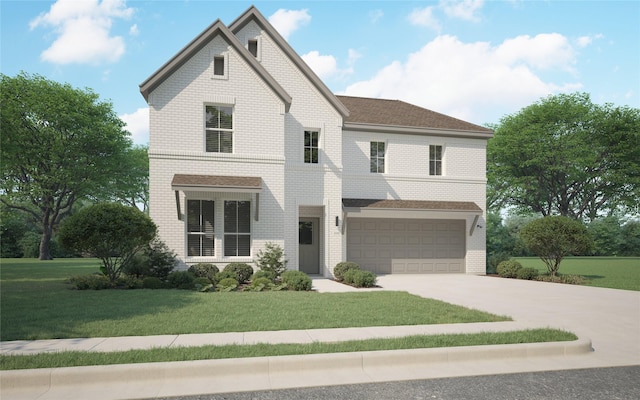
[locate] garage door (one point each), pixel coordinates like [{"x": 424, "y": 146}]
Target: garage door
[{"x": 406, "y": 246}]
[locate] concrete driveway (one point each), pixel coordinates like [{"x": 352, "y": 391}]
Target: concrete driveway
[{"x": 609, "y": 317}]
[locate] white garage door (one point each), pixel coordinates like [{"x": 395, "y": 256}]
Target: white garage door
[{"x": 406, "y": 246}]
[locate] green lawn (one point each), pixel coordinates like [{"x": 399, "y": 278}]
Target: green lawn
[
  {"x": 37, "y": 304},
  {"x": 607, "y": 272}
]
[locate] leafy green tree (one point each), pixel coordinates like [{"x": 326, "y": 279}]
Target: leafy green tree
[
  {"x": 131, "y": 184},
  {"x": 112, "y": 232},
  {"x": 566, "y": 155},
  {"x": 553, "y": 238},
  {"x": 607, "y": 236},
  {"x": 630, "y": 233},
  {"x": 58, "y": 145}
]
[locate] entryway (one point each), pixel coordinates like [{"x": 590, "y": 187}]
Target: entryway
[{"x": 309, "y": 245}]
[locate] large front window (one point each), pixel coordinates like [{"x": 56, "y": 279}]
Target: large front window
[
  {"x": 237, "y": 228},
  {"x": 219, "y": 129},
  {"x": 200, "y": 236},
  {"x": 377, "y": 157},
  {"x": 435, "y": 160}
]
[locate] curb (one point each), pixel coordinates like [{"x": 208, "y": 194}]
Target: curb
[{"x": 138, "y": 381}]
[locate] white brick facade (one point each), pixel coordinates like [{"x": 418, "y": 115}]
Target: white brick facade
[{"x": 268, "y": 142}]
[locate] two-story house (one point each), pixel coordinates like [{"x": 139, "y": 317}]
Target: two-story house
[{"x": 248, "y": 146}]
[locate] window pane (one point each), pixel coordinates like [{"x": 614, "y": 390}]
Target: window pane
[
  {"x": 226, "y": 142},
  {"x": 207, "y": 245},
  {"x": 374, "y": 149},
  {"x": 253, "y": 47},
  {"x": 212, "y": 117},
  {"x": 193, "y": 216},
  {"x": 213, "y": 141},
  {"x": 230, "y": 217},
  {"x": 244, "y": 245},
  {"x": 380, "y": 149},
  {"x": 374, "y": 165},
  {"x": 307, "y": 138},
  {"x": 226, "y": 117},
  {"x": 230, "y": 245},
  {"x": 218, "y": 65},
  {"x": 314, "y": 139},
  {"x": 244, "y": 216},
  {"x": 307, "y": 155},
  {"x": 207, "y": 217},
  {"x": 305, "y": 232},
  {"x": 381, "y": 165},
  {"x": 314, "y": 156},
  {"x": 193, "y": 245}
]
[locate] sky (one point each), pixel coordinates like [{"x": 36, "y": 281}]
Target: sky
[{"x": 476, "y": 60}]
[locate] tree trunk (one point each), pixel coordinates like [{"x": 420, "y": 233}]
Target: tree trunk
[{"x": 45, "y": 251}]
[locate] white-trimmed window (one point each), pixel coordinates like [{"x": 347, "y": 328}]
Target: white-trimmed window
[
  {"x": 219, "y": 129},
  {"x": 311, "y": 147},
  {"x": 435, "y": 159},
  {"x": 237, "y": 228},
  {"x": 200, "y": 228},
  {"x": 377, "y": 154}
]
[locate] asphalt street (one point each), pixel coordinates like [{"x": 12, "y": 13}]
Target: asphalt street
[{"x": 619, "y": 383}]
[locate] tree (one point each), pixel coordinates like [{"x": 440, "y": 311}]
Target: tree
[
  {"x": 131, "y": 184},
  {"x": 606, "y": 235},
  {"x": 58, "y": 145},
  {"x": 112, "y": 232},
  {"x": 630, "y": 239},
  {"x": 553, "y": 238},
  {"x": 565, "y": 155}
]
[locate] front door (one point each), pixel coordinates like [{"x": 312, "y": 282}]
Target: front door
[{"x": 308, "y": 245}]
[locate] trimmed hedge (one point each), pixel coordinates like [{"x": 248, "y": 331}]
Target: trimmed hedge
[
  {"x": 509, "y": 269},
  {"x": 242, "y": 271},
  {"x": 342, "y": 267},
  {"x": 297, "y": 280},
  {"x": 204, "y": 270},
  {"x": 527, "y": 273},
  {"x": 360, "y": 278}
]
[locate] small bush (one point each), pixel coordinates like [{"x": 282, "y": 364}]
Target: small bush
[
  {"x": 297, "y": 280},
  {"x": 204, "y": 270},
  {"x": 509, "y": 269},
  {"x": 494, "y": 260},
  {"x": 90, "y": 282},
  {"x": 360, "y": 278},
  {"x": 181, "y": 280},
  {"x": 152, "y": 282},
  {"x": 260, "y": 284},
  {"x": 202, "y": 284},
  {"x": 227, "y": 285},
  {"x": 224, "y": 274},
  {"x": 527, "y": 273},
  {"x": 129, "y": 282},
  {"x": 272, "y": 259},
  {"x": 242, "y": 271},
  {"x": 341, "y": 269},
  {"x": 161, "y": 260},
  {"x": 573, "y": 279},
  {"x": 263, "y": 274}
]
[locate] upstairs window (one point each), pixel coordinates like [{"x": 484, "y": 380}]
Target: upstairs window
[
  {"x": 219, "y": 129},
  {"x": 435, "y": 160},
  {"x": 377, "y": 157},
  {"x": 311, "y": 147},
  {"x": 200, "y": 236},
  {"x": 218, "y": 65},
  {"x": 237, "y": 228},
  {"x": 252, "y": 45}
]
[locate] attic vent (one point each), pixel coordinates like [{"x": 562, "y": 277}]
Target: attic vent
[
  {"x": 253, "y": 47},
  {"x": 218, "y": 65}
]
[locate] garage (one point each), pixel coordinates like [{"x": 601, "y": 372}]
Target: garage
[{"x": 407, "y": 246}]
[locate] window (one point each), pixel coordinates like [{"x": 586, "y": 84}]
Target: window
[
  {"x": 252, "y": 45},
  {"x": 377, "y": 157},
  {"x": 237, "y": 228},
  {"x": 435, "y": 160},
  {"x": 219, "y": 129},
  {"x": 311, "y": 147},
  {"x": 200, "y": 236},
  {"x": 218, "y": 65}
]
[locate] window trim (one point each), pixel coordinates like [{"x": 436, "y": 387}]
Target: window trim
[
  {"x": 237, "y": 234},
  {"x": 439, "y": 162},
  {"x": 311, "y": 147},
  {"x": 202, "y": 233},
  {"x": 219, "y": 129},
  {"x": 383, "y": 158}
]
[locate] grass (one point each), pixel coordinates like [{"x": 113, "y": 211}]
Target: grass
[
  {"x": 606, "y": 272},
  {"x": 70, "y": 359},
  {"x": 38, "y": 304}
]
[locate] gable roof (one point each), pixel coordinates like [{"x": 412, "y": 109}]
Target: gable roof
[
  {"x": 395, "y": 115},
  {"x": 252, "y": 14},
  {"x": 200, "y": 41}
]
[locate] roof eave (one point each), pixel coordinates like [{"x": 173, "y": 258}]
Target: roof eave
[{"x": 412, "y": 130}]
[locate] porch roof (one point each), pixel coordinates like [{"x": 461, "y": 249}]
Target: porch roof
[
  {"x": 422, "y": 205},
  {"x": 216, "y": 183}
]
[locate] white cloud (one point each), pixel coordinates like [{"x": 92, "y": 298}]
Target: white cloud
[
  {"x": 134, "y": 31},
  {"x": 475, "y": 81},
  {"x": 326, "y": 66},
  {"x": 424, "y": 17},
  {"x": 465, "y": 9},
  {"x": 375, "y": 15},
  {"x": 287, "y": 21},
  {"x": 138, "y": 124},
  {"x": 585, "y": 41},
  {"x": 353, "y": 56},
  {"x": 83, "y": 31}
]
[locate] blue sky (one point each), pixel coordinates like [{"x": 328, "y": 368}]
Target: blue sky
[{"x": 472, "y": 59}]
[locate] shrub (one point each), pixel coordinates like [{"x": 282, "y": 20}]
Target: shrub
[
  {"x": 181, "y": 280},
  {"x": 241, "y": 271},
  {"x": 129, "y": 282},
  {"x": 90, "y": 282},
  {"x": 494, "y": 260},
  {"x": 341, "y": 269},
  {"x": 527, "y": 273},
  {"x": 204, "y": 270},
  {"x": 272, "y": 259},
  {"x": 160, "y": 259},
  {"x": 509, "y": 269},
  {"x": 152, "y": 282},
  {"x": 263, "y": 274},
  {"x": 360, "y": 278},
  {"x": 224, "y": 274},
  {"x": 573, "y": 279},
  {"x": 137, "y": 266},
  {"x": 202, "y": 284},
  {"x": 227, "y": 285},
  {"x": 297, "y": 280},
  {"x": 260, "y": 284}
]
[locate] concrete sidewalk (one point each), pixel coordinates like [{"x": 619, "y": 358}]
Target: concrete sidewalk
[{"x": 610, "y": 317}]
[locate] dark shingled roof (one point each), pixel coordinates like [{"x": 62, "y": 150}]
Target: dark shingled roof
[
  {"x": 398, "y": 113},
  {"x": 248, "y": 182},
  {"x": 413, "y": 205}
]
